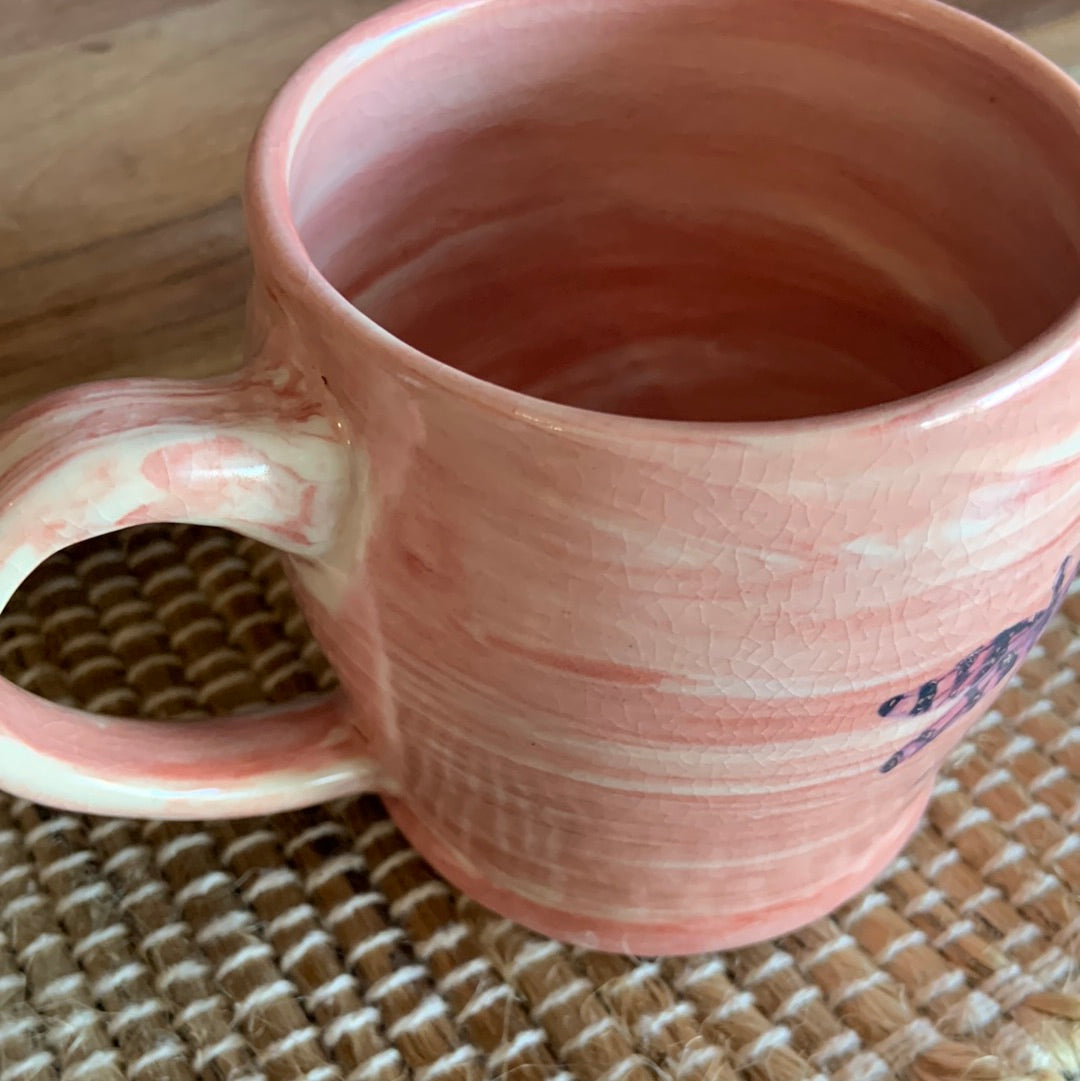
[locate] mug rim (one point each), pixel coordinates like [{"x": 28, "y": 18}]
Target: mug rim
[{"x": 272, "y": 232}]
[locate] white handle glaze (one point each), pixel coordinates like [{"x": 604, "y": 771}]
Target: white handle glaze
[{"x": 252, "y": 454}]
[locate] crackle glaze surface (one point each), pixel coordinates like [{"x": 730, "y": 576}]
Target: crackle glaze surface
[{"x": 647, "y": 685}]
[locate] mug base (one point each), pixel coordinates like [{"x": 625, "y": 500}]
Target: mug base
[{"x": 670, "y": 938}]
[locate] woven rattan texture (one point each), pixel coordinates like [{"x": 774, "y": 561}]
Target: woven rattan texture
[{"x": 317, "y": 945}]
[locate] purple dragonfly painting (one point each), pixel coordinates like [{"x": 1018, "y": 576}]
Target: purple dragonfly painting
[{"x": 974, "y": 678}]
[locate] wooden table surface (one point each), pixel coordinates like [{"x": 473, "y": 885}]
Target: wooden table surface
[{"x": 123, "y": 129}]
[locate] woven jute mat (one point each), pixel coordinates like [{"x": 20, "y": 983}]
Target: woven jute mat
[{"x": 317, "y": 945}]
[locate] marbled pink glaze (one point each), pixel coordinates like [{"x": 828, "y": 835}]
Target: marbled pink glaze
[
  {"x": 257, "y": 453},
  {"x": 648, "y": 684}
]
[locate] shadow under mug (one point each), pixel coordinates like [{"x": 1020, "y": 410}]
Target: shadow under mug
[{"x": 670, "y": 415}]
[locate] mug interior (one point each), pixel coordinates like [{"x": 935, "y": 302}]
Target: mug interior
[{"x": 703, "y": 210}]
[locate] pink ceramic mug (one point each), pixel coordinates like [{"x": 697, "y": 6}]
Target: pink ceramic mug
[{"x": 670, "y": 413}]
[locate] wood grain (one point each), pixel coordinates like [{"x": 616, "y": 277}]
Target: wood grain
[{"x": 123, "y": 130}]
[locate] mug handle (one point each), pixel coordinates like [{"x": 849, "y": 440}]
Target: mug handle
[{"x": 253, "y": 453}]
